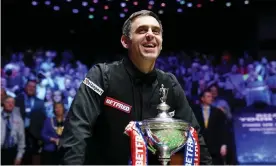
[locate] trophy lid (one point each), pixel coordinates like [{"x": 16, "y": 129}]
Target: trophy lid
[{"x": 163, "y": 119}]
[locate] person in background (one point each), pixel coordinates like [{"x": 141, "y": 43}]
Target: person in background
[
  {"x": 12, "y": 134},
  {"x": 48, "y": 103},
  {"x": 58, "y": 96},
  {"x": 33, "y": 114},
  {"x": 213, "y": 124},
  {"x": 51, "y": 131},
  {"x": 69, "y": 98},
  {"x": 219, "y": 102}
]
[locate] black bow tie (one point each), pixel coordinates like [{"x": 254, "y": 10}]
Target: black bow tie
[
  {"x": 137, "y": 75},
  {"x": 146, "y": 79}
]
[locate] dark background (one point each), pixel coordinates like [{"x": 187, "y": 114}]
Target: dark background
[{"x": 210, "y": 29}]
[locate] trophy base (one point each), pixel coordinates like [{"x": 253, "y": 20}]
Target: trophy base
[
  {"x": 165, "y": 161},
  {"x": 176, "y": 159}
]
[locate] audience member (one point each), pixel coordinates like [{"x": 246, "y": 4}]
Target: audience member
[{"x": 12, "y": 134}]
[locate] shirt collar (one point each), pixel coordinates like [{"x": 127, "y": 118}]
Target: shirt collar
[
  {"x": 6, "y": 114},
  {"x": 208, "y": 107}
]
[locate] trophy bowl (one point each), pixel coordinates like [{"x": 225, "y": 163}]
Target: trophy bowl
[{"x": 165, "y": 135}]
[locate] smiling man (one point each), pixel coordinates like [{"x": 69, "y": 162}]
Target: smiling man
[{"x": 114, "y": 94}]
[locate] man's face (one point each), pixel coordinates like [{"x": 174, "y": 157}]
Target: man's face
[
  {"x": 31, "y": 88},
  {"x": 59, "y": 110},
  {"x": 145, "y": 38},
  {"x": 9, "y": 104},
  {"x": 57, "y": 97},
  {"x": 67, "y": 83},
  {"x": 207, "y": 98},
  {"x": 72, "y": 92},
  {"x": 214, "y": 91}
]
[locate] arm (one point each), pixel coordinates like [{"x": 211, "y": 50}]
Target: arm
[
  {"x": 227, "y": 110},
  {"x": 44, "y": 132},
  {"x": 184, "y": 112},
  {"x": 224, "y": 128},
  {"x": 82, "y": 116},
  {"x": 21, "y": 140},
  {"x": 224, "y": 132},
  {"x": 37, "y": 120}
]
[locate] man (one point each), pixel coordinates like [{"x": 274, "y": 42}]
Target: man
[
  {"x": 214, "y": 129},
  {"x": 12, "y": 134},
  {"x": 4, "y": 95},
  {"x": 33, "y": 114},
  {"x": 114, "y": 94}
]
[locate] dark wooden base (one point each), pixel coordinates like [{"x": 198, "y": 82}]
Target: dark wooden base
[{"x": 177, "y": 159}]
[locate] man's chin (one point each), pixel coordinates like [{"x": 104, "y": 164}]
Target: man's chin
[{"x": 150, "y": 56}]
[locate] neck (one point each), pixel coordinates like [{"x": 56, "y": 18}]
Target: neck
[
  {"x": 204, "y": 104},
  {"x": 144, "y": 66},
  {"x": 59, "y": 118}
]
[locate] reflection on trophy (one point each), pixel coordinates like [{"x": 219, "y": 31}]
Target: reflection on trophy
[{"x": 164, "y": 135}]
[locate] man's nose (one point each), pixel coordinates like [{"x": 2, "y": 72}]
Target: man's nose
[{"x": 149, "y": 35}]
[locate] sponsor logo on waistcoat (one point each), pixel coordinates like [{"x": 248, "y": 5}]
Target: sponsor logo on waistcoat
[
  {"x": 93, "y": 86},
  {"x": 117, "y": 104}
]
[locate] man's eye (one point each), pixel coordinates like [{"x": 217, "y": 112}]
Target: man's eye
[
  {"x": 156, "y": 32},
  {"x": 142, "y": 31}
]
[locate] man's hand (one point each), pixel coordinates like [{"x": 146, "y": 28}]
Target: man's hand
[
  {"x": 17, "y": 161},
  {"x": 57, "y": 141},
  {"x": 53, "y": 139},
  {"x": 223, "y": 150}
]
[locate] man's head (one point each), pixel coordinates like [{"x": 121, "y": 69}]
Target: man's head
[
  {"x": 57, "y": 96},
  {"x": 30, "y": 88},
  {"x": 214, "y": 90},
  {"x": 67, "y": 83},
  {"x": 58, "y": 108},
  {"x": 8, "y": 103},
  {"x": 206, "y": 97},
  {"x": 142, "y": 35}
]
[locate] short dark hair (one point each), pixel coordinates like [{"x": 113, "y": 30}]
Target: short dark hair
[
  {"x": 202, "y": 94},
  {"x": 127, "y": 25},
  {"x": 8, "y": 97},
  {"x": 58, "y": 103},
  {"x": 213, "y": 85},
  {"x": 30, "y": 80}
]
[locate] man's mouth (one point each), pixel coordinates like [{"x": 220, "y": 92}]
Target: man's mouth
[{"x": 149, "y": 45}]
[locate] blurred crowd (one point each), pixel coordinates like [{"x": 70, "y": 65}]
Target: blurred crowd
[{"x": 39, "y": 90}]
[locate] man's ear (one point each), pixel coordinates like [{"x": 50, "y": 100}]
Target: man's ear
[{"x": 125, "y": 41}]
